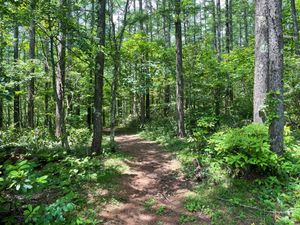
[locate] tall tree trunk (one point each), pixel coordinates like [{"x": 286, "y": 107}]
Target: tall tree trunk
[
  {"x": 295, "y": 27},
  {"x": 117, "y": 44},
  {"x": 179, "y": 73},
  {"x": 32, "y": 57},
  {"x": 17, "y": 123},
  {"x": 143, "y": 95},
  {"x": 275, "y": 81},
  {"x": 90, "y": 99},
  {"x": 217, "y": 91},
  {"x": 60, "y": 80},
  {"x": 99, "y": 75},
  {"x": 228, "y": 29},
  {"x": 261, "y": 60},
  {"x": 114, "y": 88},
  {"x": 47, "y": 122},
  {"x": 269, "y": 70}
]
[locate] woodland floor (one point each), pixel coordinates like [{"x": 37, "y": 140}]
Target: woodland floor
[{"x": 152, "y": 189}]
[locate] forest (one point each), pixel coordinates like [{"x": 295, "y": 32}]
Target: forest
[{"x": 150, "y": 112}]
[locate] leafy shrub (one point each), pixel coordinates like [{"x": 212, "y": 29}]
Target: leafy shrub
[
  {"x": 242, "y": 149},
  {"x": 54, "y": 213},
  {"x": 79, "y": 137},
  {"x": 20, "y": 176}
]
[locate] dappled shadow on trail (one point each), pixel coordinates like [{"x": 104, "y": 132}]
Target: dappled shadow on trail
[{"x": 152, "y": 191}]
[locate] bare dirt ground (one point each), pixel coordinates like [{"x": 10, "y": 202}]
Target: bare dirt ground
[{"x": 153, "y": 189}]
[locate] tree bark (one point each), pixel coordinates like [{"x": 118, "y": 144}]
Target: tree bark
[
  {"x": 89, "y": 118},
  {"x": 32, "y": 57},
  {"x": 269, "y": 70},
  {"x": 276, "y": 128},
  {"x": 261, "y": 60},
  {"x": 60, "y": 80},
  {"x": 17, "y": 123},
  {"x": 99, "y": 75},
  {"x": 47, "y": 122},
  {"x": 179, "y": 73}
]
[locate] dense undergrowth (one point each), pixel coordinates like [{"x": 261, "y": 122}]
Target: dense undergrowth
[
  {"x": 240, "y": 181},
  {"x": 42, "y": 183}
]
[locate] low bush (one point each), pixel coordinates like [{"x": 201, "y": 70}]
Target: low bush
[{"x": 244, "y": 149}]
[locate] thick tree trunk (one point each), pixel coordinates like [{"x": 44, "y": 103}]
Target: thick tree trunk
[
  {"x": 261, "y": 60},
  {"x": 269, "y": 70},
  {"x": 295, "y": 27},
  {"x": 17, "y": 123},
  {"x": 99, "y": 75},
  {"x": 179, "y": 73},
  {"x": 60, "y": 131},
  {"x": 32, "y": 57},
  {"x": 275, "y": 81}
]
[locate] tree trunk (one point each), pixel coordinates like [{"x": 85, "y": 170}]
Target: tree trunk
[
  {"x": 90, "y": 99},
  {"x": 117, "y": 44},
  {"x": 295, "y": 27},
  {"x": 17, "y": 123},
  {"x": 261, "y": 61},
  {"x": 228, "y": 27},
  {"x": 179, "y": 73},
  {"x": 32, "y": 57},
  {"x": 275, "y": 81},
  {"x": 269, "y": 70},
  {"x": 99, "y": 75},
  {"x": 113, "y": 108},
  {"x": 47, "y": 122},
  {"x": 60, "y": 81}
]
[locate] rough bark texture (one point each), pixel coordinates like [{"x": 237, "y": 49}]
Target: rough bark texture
[
  {"x": 269, "y": 70},
  {"x": 60, "y": 80},
  {"x": 179, "y": 73},
  {"x": 17, "y": 123},
  {"x": 261, "y": 60},
  {"x": 32, "y": 57},
  {"x": 275, "y": 82},
  {"x": 295, "y": 27},
  {"x": 99, "y": 74}
]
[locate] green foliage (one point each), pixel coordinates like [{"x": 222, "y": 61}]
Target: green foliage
[
  {"x": 149, "y": 203},
  {"x": 161, "y": 210},
  {"x": 245, "y": 148},
  {"x": 20, "y": 176}
]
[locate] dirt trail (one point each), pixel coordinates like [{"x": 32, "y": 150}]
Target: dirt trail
[{"x": 153, "y": 174}]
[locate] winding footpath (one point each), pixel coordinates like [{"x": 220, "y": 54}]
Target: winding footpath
[{"x": 154, "y": 176}]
